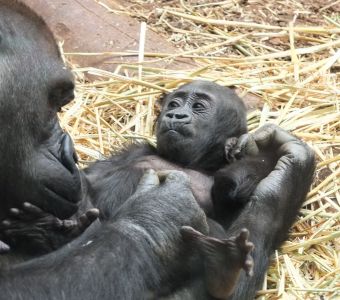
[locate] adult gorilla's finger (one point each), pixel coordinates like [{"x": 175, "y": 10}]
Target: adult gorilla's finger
[
  {"x": 272, "y": 136},
  {"x": 177, "y": 177},
  {"x": 148, "y": 181},
  {"x": 246, "y": 145}
]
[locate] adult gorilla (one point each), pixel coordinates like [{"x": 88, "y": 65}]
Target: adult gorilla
[{"x": 37, "y": 158}]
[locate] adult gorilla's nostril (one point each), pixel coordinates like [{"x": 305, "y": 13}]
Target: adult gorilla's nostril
[{"x": 169, "y": 115}]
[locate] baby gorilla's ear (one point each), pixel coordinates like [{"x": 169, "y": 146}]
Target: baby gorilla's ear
[
  {"x": 158, "y": 108},
  {"x": 159, "y": 103},
  {"x": 61, "y": 91}
]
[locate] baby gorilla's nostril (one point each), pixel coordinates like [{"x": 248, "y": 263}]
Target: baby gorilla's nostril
[{"x": 181, "y": 116}]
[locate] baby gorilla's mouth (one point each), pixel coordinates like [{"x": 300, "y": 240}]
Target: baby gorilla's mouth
[
  {"x": 179, "y": 129},
  {"x": 172, "y": 131}
]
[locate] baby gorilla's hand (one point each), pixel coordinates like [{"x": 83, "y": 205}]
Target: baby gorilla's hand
[
  {"x": 229, "y": 145},
  {"x": 37, "y": 231}
]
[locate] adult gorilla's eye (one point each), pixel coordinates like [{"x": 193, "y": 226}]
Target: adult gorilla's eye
[
  {"x": 198, "y": 105},
  {"x": 173, "y": 104}
]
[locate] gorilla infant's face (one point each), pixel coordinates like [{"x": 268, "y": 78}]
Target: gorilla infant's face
[
  {"x": 185, "y": 117},
  {"x": 196, "y": 119}
]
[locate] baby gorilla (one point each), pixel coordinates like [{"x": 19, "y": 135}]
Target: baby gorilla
[{"x": 196, "y": 132}]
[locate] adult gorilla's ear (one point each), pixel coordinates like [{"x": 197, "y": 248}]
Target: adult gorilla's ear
[{"x": 61, "y": 92}]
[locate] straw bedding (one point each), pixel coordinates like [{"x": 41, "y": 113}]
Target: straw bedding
[{"x": 284, "y": 58}]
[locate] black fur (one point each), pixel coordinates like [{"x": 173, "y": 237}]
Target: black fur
[{"x": 137, "y": 251}]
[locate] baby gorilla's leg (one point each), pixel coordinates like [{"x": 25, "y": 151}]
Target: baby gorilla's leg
[
  {"x": 37, "y": 231},
  {"x": 223, "y": 259}
]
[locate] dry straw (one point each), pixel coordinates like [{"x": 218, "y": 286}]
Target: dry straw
[{"x": 292, "y": 71}]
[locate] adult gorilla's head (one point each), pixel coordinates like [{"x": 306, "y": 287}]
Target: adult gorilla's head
[
  {"x": 36, "y": 157},
  {"x": 195, "y": 122}
]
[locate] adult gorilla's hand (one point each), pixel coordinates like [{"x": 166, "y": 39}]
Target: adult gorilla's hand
[
  {"x": 161, "y": 205},
  {"x": 280, "y": 195},
  {"x": 276, "y": 201}
]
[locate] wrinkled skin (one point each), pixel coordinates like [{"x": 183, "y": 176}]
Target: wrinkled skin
[{"x": 37, "y": 160}]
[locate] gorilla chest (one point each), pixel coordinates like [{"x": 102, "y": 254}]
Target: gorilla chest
[{"x": 201, "y": 183}]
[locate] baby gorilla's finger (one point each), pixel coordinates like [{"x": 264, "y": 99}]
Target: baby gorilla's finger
[
  {"x": 243, "y": 236},
  {"x": 148, "y": 181},
  {"x": 76, "y": 227},
  {"x": 246, "y": 247},
  {"x": 249, "y": 266}
]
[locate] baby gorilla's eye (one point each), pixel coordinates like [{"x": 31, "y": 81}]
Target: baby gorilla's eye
[
  {"x": 173, "y": 104},
  {"x": 198, "y": 105}
]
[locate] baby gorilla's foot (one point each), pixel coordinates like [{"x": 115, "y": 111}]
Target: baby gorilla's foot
[
  {"x": 223, "y": 259},
  {"x": 37, "y": 231}
]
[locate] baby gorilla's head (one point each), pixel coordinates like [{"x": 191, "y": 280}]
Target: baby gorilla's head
[{"x": 195, "y": 121}]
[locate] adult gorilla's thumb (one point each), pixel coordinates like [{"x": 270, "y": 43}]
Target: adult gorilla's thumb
[
  {"x": 148, "y": 181},
  {"x": 173, "y": 177}
]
